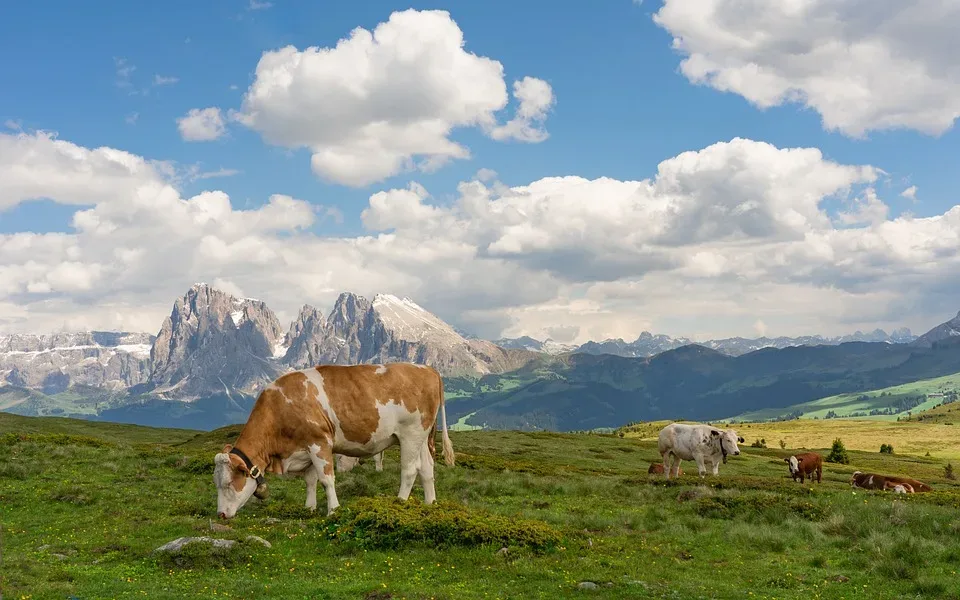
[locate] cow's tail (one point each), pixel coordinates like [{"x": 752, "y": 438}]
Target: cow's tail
[{"x": 448, "y": 455}]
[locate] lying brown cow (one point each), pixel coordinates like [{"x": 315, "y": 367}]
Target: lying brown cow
[
  {"x": 808, "y": 463},
  {"x": 657, "y": 468},
  {"x": 873, "y": 481}
]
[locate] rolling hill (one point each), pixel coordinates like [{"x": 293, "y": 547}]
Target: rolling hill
[
  {"x": 890, "y": 403},
  {"x": 578, "y": 391}
]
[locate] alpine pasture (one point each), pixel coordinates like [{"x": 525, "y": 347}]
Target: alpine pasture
[{"x": 521, "y": 515}]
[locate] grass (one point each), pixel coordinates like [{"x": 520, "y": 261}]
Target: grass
[
  {"x": 84, "y": 505},
  {"x": 845, "y": 405}
]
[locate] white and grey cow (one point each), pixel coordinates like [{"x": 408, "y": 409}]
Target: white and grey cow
[
  {"x": 347, "y": 463},
  {"x": 697, "y": 442}
]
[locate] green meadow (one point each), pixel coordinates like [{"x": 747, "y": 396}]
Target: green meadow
[{"x": 84, "y": 505}]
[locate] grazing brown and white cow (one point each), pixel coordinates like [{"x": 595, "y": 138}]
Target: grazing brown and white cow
[
  {"x": 808, "y": 463},
  {"x": 305, "y": 417},
  {"x": 873, "y": 481},
  {"x": 700, "y": 443},
  {"x": 657, "y": 468}
]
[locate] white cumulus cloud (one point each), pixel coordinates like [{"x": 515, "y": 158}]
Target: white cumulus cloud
[
  {"x": 536, "y": 98},
  {"x": 732, "y": 238},
  {"x": 883, "y": 64},
  {"x": 201, "y": 125},
  {"x": 386, "y": 101}
]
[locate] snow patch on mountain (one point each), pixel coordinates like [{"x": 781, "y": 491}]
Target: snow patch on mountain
[{"x": 411, "y": 322}]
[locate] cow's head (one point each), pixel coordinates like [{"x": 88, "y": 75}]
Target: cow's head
[
  {"x": 728, "y": 439},
  {"x": 794, "y": 464},
  {"x": 235, "y": 484},
  {"x": 853, "y": 479}
]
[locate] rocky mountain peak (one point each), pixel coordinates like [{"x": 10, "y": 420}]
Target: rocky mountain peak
[
  {"x": 947, "y": 332},
  {"x": 212, "y": 340},
  {"x": 306, "y": 339}
]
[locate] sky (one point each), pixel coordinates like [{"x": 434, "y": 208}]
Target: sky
[{"x": 699, "y": 168}]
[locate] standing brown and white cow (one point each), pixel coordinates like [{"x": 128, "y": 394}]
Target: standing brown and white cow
[
  {"x": 808, "y": 463},
  {"x": 305, "y": 417}
]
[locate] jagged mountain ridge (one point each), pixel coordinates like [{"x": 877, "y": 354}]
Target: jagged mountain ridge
[
  {"x": 649, "y": 344},
  {"x": 948, "y": 332},
  {"x": 214, "y": 342},
  {"x": 53, "y": 362},
  {"x": 390, "y": 328}
]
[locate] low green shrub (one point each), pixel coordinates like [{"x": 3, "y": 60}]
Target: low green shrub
[
  {"x": 199, "y": 465},
  {"x": 387, "y": 522}
]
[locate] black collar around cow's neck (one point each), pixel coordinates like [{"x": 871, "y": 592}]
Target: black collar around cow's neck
[
  {"x": 255, "y": 471},
  {"x": 722, "y": 449}
]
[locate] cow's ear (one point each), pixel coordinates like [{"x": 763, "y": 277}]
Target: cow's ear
[
  {"x": 786, "y": 460},
  {"x": 227, "y": 448},
  {"x": 740, "y": 439},
  {"x": 238, "y": 464},
  {"x": 714, "y": 432}
]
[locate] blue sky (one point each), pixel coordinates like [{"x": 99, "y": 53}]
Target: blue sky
[{"x": 621, "y": 107}]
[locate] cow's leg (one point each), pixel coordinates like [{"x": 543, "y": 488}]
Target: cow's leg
[
  {"x": 701, "y": 468},
  {"x": 670, "y": 464},
  {"x": 802, "y": 474},
  {"x": 409, "y": 465},
  {"x": 819, "y": 473},
  {"x": 716, "y": 466},
  {"x": 378, "y": 459},
  {"x": 311, "y": 478},
  {"x": 426, "y": 474},
  {"x": 322, "y": 457}
]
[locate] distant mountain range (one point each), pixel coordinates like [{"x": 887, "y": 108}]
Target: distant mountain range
[
  {"x": 215, "y": 352},
  {"x": 649, "y": 344}
]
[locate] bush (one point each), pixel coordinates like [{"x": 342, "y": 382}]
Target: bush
[
  {"x": 886, "y": 449},
  {"x": 948, "y": 472},
  {"x": 761, "y": 443},
  {"x": 388, "y": 522},
  {"x": 783, "y": 444},
  {"x": 199, "y": 465},
  {"x": 838, "y": 453}
]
